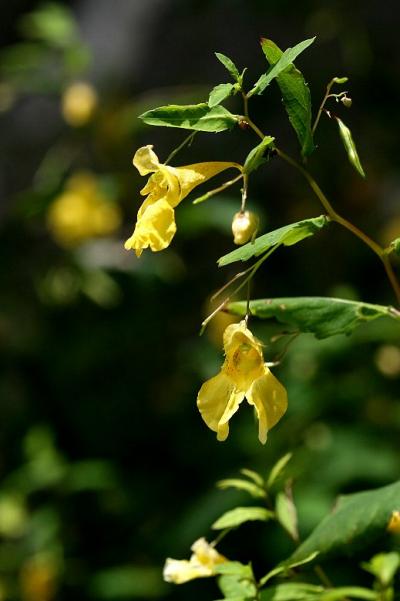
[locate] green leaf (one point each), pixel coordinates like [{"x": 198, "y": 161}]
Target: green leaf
[
  {"x": 395, "y": 246},
  {"x": 253, "y": 476},
  {"x": 296, "y": 97},
  {"x": 384, "y": 567},
  {"x": 340, "y": 80},
  {"x": 234, "y": 568},
  {"x": 356, "y": 520},
  {"x": 321, "y": 316},
  {"x": 236, "y": 581},
  {"x": 240, "y": 515},
  {"x": 350, "y": 147},
  {"x": 254, "y": 490},
  {"x": 278, "y": 469},
  {"x": 199, "y": 117},
  {"x": 255, "y": 158},
  {"x": 287, "y": 235},
  {"x": 286, "y": 513},
  {"x": 356, "y": 592},
  {"x": 286, "y": 566},
  {"x": 229, "y": 65},
  {"x": 284, "y": 61},
  {"x": 292, "y": 591},
  {"x": 220, "y": 93}
]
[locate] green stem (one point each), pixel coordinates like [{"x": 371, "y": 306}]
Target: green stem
[
  {"x": 186, "y": 141},
  {"x": 321, "y": 108}
]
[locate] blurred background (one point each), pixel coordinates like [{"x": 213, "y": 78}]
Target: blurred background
[{"x": 106, "y": 466}]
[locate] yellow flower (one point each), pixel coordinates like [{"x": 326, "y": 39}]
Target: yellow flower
[
  {"x": 78, "y": 103},
  {"x": 82, "y": 212},
  {"x": 394, "y": 523},
  {"x": 201, "y": 564},
  {"x": 165, "y": 189},
  {"x": 243, "y": 374}
]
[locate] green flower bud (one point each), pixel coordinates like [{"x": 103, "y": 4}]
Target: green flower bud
[{"x": 244, "y": 226}]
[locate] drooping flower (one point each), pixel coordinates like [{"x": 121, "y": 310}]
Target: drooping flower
[
  {"x": 165, "y": 189},
  {"x": 200, "y": 565},
  {"x": 244, "y": 226},
  {"x": 82, "y": 211},
  {"x": 243, "y": 375}
]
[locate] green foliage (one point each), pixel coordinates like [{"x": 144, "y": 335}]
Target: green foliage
[
  {"x": 350, "y": 146},
  {"x": 296, "y": 97},
  {"x": 384, "y": 567},
  {"x": 321, "y": 316},
  {"x": 229, "y": 65},
  {"x": 253, "y": 489},
  {"x": 240, "y": 515},
  {"x": 51, "y": 23},
  {"x": 236, "y": 581},
  {"x": 278, "y": 469},
  {"x": 198, "y": 117},
  {"x": 256, "y": 156},
  {"x": 395, "y": 246},
  {"x": 286, "y": 235},
  {"x": 357, "y": 519},
  {"x": 286, "y": 513},
  {"x": 221, "y": 93},
  {"x": 292, "y": 591}
]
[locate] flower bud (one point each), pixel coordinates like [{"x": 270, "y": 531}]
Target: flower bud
[
  {"x": 244, "y": 226},
  {"x": 78, "y": 103},
  {"x": 346, "y": 101}
]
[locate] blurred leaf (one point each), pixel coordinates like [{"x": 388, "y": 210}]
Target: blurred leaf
[
  {"x": 286, "y": 566},
  {"x": 125, "y": 582},
  {"x": 253, "y": 476},
  {"x": 287, "y": 235},
  {"x": 220, "y": 93},
  {"x": 286, "y": 513},
  {"x": 256, "y": 158},
  {"x": 240, "y": 515},
  {"x": 296, "y": 97},
  {"x": 383, "y": 566},
  {"x": 350, "y": 146},
  {"x": 229, "y": 65},
  {"x": 395, "y": 246},
  {"x": 90, "y": 475},
  {"x": 278, "y": 469},
  {"x": 355, "y": 592},
  {"x": 234, "y": 568},
  {"x": 252, "y": 489},
  {"x": 292, "y": 591},
  {"x": 284, "y": 61},
  {"x": 199, "y": 117},
  {"x": 357, "y": 519},
  {"x": 236, "y": 580},
  {"x": 320, "y": 316},
  {"x": 52, "y": 23}
]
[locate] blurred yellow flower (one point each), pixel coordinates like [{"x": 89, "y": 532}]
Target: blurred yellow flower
[
  {"x": 81, "y": 212},
  {"x": 78, "y": 103},
  {"x": 243, "y": 375},
  {"x": 394, "y": 523},
  {"x": 38, "y": 579},
  {"x": 201, "y": 564},
  {"x": 165, "y": 189}
]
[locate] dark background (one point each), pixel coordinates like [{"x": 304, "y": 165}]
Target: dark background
[{"x": 106, "y": 465}]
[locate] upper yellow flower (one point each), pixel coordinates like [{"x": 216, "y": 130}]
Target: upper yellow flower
[
  {"x": 78, "y": 103},
  {"x": 201, "y": 564},
  {"x": 165, "y": 189},
  {"x": 243, "y": 374}
]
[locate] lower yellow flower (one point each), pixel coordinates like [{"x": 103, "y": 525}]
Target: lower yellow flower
[
  {"x": 243, "y": 375},
  {"x": 165, "y": 189},
  {"x": 201, "y": 564}
]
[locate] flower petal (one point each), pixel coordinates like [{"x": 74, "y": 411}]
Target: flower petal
[
  {"x": 191, "y": 176},
  {"x": 155, "y": 228},
  {"x": 218, "y": 400},
  {"x": 180, "y": 571},
  {"x": 269, "y": 398},
  {"x": 145, "y": 160}
]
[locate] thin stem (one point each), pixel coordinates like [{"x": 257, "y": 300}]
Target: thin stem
[
  {"x": 244, "y": 192},
  {"x": 186, "y": 141},
  {"x": 217, "y": 190},
  {"x": 325, "y": 98}
]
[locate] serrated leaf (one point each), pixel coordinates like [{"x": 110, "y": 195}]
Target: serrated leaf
[
  {"x": 296, "y": 97},
  {"x": 252, "y": 489},
  {"x": 284, "y": 61},
  {"x": 240, "y": 515},
  {"x": 255, "y": 158},
  {"x": 229, "y": 65},
  {"x": 321, "y": 316},
  {"x": 278, "y": 469},
  {"x": 292, "y": 591},
  {"x": 356, "y": 520},
  {"x": 350, "y": 146},
  {"x": 220, "y": 93},
  {"x": 199, "y": 117},
  {"x": 253, "y": 476},
  {"x": 287, "y": 235},
  {"x": 286, "y": 513}
]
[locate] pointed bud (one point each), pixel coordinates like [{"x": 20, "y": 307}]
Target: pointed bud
[
  {"x": 346, "y": 101},
  {"x": 244, "y": 226}
]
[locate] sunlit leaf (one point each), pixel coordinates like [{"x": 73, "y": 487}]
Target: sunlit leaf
[
  {"x": 220, "y": 93},
  {"x": 229, "y": 65},
  {"x": 350, "y": 146},
  {"x": 321, "y": 316},
  {"x": 256, "y": 158},
  {"x": 286, "y": 513},
  {"x": 296, "y": 97},
  {"x": 240, "y": 515},
  {"x": 287, "y": 235},
  {"x": 199, "y": 117},
  {"x": 278, "y": 469},
  {"x": 383, "y": 566},
  {"x": 253, "y": 476},
  {"x": 254, "y": 490}
]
